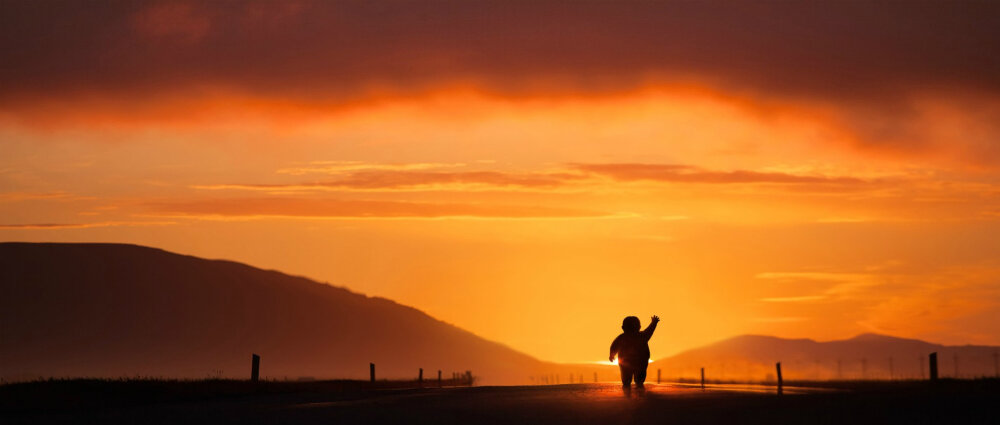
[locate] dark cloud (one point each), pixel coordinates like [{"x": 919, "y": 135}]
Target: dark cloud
[
  {"x": 690, "y": 174},
  {"x": 329, "y": 50},
  {"x": 56, "y": 226},
  {"x": 578, "y": 175},
  {"x": 405, "y": 179},
  {"x": 402, "y": 179}
]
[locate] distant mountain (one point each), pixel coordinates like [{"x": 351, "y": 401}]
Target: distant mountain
[
  {"x": 112, "y": 310},
  {"x": 866, "y": 356}
]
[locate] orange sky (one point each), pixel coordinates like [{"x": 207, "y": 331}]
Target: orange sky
[{"x": 534, "y": 197}]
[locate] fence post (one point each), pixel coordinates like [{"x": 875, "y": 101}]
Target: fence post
[
  {"x": 439, "y": 378},
  {"x": 595, "y": 374},
  {"x": 420, "y": 378},
  {"x": 371, "y": 371},
  {"x": 254, "y": 368},
  {"x": 933, "y": 363},
  {"x": 703, "y": 379},
  {"x": 780, "y": 383},
  {"x": 658, "y": 375},
  {"x": 468, "y": 375}
]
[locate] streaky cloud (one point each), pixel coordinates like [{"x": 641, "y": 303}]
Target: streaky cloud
[{"x": 338, "y": 208}]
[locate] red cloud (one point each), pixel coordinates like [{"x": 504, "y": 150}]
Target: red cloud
[
  {"x": 328, "y": 49},
  {"x": 873, "y": 63}
]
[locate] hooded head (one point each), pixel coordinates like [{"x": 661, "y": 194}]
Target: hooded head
[{"x": 631, "y": 324}]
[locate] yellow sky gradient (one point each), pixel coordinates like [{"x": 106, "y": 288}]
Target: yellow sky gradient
[{"x": 540, "y": 221}]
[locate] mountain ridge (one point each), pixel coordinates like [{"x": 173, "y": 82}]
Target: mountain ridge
[{"x": 101, "y": 309}]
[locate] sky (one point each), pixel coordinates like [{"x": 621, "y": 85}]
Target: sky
[{"x": 534, "y": 171}]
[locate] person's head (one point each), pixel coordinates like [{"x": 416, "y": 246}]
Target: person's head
[{"x": 631, "y": 324}]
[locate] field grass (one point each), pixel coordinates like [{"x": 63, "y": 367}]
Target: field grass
[
  {"x": 226, "y": 401},
  {"x": 82, "y": 393}
]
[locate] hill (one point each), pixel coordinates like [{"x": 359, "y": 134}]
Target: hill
[
  {"x": 866, "y": 356},
  {"x": 113, "y": 310}
]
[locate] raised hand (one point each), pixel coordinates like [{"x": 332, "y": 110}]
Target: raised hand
[{"x": 655, "y": 319}]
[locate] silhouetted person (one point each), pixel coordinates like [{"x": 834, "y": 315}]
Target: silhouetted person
[{"x": 632, "y": 349}]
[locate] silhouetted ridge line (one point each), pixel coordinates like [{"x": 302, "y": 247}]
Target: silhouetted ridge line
[{"x": 112, "y": 310}]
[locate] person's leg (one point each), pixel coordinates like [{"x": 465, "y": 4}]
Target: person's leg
[
  {"x": 626, "y": 374},
  {"x": 640, "y": 374}
]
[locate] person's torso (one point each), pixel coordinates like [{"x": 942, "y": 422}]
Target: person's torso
[{"x": 633, "y": 347}]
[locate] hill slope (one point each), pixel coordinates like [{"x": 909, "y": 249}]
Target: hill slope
[
  {"x": 866, "y": 356},
  {"x": 111, "y": 310}
]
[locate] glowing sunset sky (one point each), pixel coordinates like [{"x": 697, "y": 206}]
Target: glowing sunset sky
[{"x": 534, "y": 171}]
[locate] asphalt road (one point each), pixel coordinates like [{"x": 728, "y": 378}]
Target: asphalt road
[{"x": 557, "y": 404}]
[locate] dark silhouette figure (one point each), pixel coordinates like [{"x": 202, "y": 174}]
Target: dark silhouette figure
[{"x": 632, "y": 349}]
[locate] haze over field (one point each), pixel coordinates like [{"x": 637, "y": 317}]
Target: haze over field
[
  {"x": 865, "y": 356},
  {"x": 533, "y": 171}
]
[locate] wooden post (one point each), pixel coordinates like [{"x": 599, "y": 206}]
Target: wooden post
[
  {"x": 420, "y": 378},
  {"x": 933, "y": 363},
  {"x": 595, "y": 373},
  {"x": 468, "y": 377},
  {"x": 439, "y": 378},
  {"x": 703, "y": 379},
  {"x": 780, "y": 383},
  {"x": 658, "y": 375},
  {"x": 371, "y": 371},
  {"x": 254, "y": 368}
]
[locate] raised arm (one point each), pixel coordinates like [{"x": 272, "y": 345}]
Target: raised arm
[
  {"x": 615, "y": 348},
  {"x": 648, "y": 332}
]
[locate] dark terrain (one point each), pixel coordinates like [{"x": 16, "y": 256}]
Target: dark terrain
[{"x": 112, "y": 402}]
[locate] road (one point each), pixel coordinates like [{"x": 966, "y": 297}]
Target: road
[{"x": 557, "y": 404}]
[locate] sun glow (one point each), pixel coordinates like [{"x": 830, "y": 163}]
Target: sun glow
[{"x": 612, "y": 363}]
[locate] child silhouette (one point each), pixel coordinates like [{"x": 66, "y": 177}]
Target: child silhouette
[{"x": 632, "y": 349}]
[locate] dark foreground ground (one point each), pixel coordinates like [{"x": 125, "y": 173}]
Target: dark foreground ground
[{"x": 131, "y": 402}]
